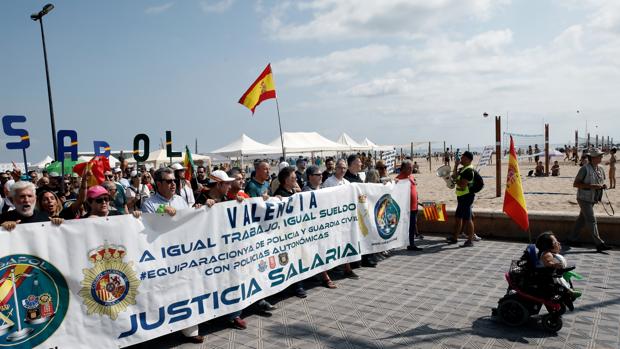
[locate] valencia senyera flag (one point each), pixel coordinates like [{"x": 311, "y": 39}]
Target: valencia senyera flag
[
  {"x": 263, "y": 88},
  {"x": 514, "y": 201}
]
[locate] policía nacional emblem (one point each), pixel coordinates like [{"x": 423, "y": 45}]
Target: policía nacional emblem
[
  {"x": 283, "y": 258},
  {"x": 111, "y": 285},
  {"x": 34, "y": 297}
]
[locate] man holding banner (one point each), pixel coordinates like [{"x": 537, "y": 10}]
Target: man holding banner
[
  {"x": 406, "y": 170},
  {"x": 166, "y": 201}
]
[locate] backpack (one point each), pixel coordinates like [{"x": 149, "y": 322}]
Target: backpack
[{"x": 477, "y": 184}]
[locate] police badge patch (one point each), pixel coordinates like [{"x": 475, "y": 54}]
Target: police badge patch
[
  {"x": 283, "y": 258},
  {"x": 34, "y": 298},
  {"x": 262, "y": 266},
  {"x": 111, "y": 285}
]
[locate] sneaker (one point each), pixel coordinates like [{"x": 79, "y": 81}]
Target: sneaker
[
  {"x": 195, "y": 339},
  {"x": 329, "y": 284},
  {"x": 300, "y": 293},
  {"x": 467, "y": 243},
  {"x": 451, "y": 240},
  {"x": 414, "y": 248},
  {"x": 603, "y": 247},
  {"x": 238, "y": 323},
  {"x": 266, "y": 306},
  {"x": 477, "y": 238},
  {"x": 351, "y": 275}
]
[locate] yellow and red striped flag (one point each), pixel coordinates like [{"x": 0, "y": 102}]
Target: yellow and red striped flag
[
  {"x": 434, "y": 211},
  {"x": 514, "y": 201},
  {"x": 263, "y": 88}
]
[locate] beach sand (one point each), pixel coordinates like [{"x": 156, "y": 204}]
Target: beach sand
[{"x": 554, "y": 194}]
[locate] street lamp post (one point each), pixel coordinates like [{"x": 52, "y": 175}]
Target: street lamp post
[{"x": 39, "y": 17}]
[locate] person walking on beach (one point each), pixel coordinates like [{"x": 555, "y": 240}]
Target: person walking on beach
[
  {"x": 612, "y": 169},
  {"x": 590, "y": 183},
  {"x": 465, "y": 199}
]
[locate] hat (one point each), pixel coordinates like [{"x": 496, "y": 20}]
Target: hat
[
  {"x": 134, "y": 174},
  {"x": 300, "y": 160},
  {"x": 282, "y": 165},
  {"x": 117, "y": 170},
  {"x": 177, "y": 167},
  {"x": 74, "y": 175},
  {"x": 595, "y": 153},
  {"x": 219, "y": 176},
  {"x": 96, "y": 191}
]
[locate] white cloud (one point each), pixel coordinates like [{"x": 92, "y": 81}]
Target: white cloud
[
  {"x": 336, "y": 66},
  {"x": 216, "y": 6},
  {"x": 345, "y": 19},
  {"x": 153, "y": 10},
  {"x": 378, "y": 87}
]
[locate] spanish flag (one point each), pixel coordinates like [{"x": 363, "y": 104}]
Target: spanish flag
[
  {"x": 97, "y": 166},
  {"x": 263, "y": 88},
  {"x": 514, "y": 201}
]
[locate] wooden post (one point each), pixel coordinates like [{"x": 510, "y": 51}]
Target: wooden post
[
  {"x": 430, "y": 159},
  {"x": 588, "y": 141},
  {"x": 546, "y": 149},
  {"x": 445, "y": 152},
  {"x": 411, "y": 153},
  {"x": 596, "y": 141},
  {"x": 576, "y": 147},
  {"x": 498, "y": 157},
  {"x": 467, "y": 146}
]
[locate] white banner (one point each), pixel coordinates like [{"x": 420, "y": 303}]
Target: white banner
[
  {"x": 117, "y": 281},
  {"x": 485, "y": 158},
  {"x": 390, "y": 159}
]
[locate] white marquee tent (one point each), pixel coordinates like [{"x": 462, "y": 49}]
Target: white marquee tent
[
  {"x": 345, "y": 139},
  {"x": 307, "y": 142},
  {"x": 373, "y": 146},
  {"x": 245, "y": 146}
]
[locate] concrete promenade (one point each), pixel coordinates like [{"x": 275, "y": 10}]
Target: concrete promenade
[{"x": 439, "y": 298}]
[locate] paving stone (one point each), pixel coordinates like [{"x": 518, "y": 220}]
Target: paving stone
[{"x": 439, "y": 299}]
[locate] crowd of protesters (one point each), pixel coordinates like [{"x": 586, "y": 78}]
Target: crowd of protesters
[{"x": 40, "y": 197}]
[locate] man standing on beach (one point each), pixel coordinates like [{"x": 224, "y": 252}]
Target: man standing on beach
[
  {"x": 590, "y": 183},
  {"x": 465, "y": 199}
]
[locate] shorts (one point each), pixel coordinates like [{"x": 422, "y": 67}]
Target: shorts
[{"x": 463, "y": 208}]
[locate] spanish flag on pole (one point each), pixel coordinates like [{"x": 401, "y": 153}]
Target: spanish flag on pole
[
  {"x": 263, "y": 88},
  {"x": 514, "y": 201}
]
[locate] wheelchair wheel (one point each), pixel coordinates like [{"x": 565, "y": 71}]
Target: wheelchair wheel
[
  {"x": 512, "y": 312},
  {"x": 552, "y": 323}
]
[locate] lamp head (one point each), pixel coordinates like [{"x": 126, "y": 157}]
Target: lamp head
[{"x": 46, "y": 9}]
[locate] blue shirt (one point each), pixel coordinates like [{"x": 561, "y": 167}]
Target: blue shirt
[
  {"x": 255, "y": 189},
  {"x": 157, "y": 203}
]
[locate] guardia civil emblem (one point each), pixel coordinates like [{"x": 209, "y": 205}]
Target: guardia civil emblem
[
  {"x": 111, "y": 285},
  {"x": 387, "y": 216},
  {"x": 34, "y": 297}
]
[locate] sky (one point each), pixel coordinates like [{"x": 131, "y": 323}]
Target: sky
[{"x": 395, "y": 71}]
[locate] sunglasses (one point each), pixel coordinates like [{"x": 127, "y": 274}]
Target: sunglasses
[
  {"x": 109, "y": 176},
  {"x": 167, "y": 181},
  {"x": 315, "y": 174},
  {"x": 102, "y": 200}
]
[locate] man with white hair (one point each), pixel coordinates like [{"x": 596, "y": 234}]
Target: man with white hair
[{"x": 23, "y": 196}]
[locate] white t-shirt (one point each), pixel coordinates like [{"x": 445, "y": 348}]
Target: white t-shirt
[{"x": 332, "y": 181}]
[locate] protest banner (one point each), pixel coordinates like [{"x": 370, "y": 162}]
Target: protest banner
[
  {"x": 485, "y": 158},
  {"x": 118, "y": 281}
]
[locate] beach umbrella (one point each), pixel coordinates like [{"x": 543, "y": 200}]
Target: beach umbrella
[{"x": 56, "y": 166}]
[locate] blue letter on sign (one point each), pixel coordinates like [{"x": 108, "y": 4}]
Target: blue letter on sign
[
  {"x": 72, "y": 148},
  {"x": 102, "y": 144},
  {"x": 7, "y": 120}
]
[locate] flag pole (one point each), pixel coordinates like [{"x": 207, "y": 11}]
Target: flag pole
[{"x": 280, "y": 125}]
